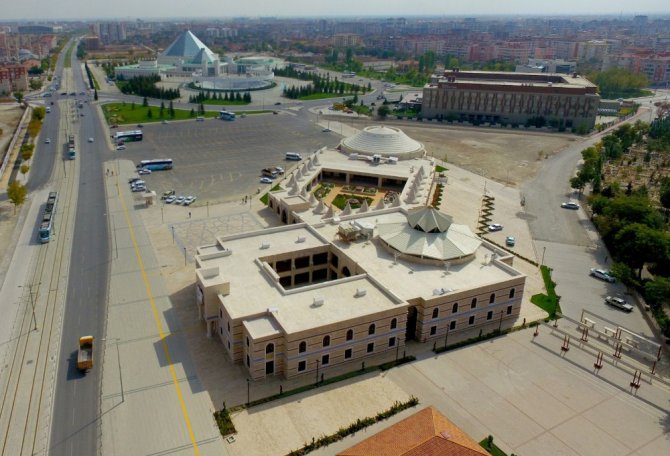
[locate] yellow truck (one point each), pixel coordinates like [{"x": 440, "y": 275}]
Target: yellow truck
[{"x": 85, "y": 355}]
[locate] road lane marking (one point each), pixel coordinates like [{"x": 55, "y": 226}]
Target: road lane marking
[{"x": 159, "y": 326}]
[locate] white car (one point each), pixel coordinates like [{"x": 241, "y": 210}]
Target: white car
[
  {"x": 121, "y": 147},
  {"x": 189, "y": 200},
  {"x": 143, "y": 171},
  {"x": 619, "y": 303},
  {"x": 47, "y": 141},
  {"x": 495, "y": 227},
  {"x": 570, "y": 205},
  {"x": 170, "y": 199},
  {"x": 602, "y": 275},
  {"x": 266, "y": 180},
  {"x": 90, "y": 139},
  {"x": 180, "y": 200}
]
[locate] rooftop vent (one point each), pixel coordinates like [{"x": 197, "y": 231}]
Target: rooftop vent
[
  {"x": 265, "y": 245},
  {"x": 360, "y": 292},
  {"x": 318, "y": 302},
  {"x": 301, "y": 239}
]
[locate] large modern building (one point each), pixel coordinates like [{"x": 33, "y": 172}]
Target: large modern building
[
  {"x": 335, "y": 286},
  {"x": 189, "y": 57},
  {"x": 568, "y": 101}
]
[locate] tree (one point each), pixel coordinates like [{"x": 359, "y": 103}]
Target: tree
[
  {"x": 27, "y": 151},
  {"x": 35, "y": 84},
  {"x": 39, "y": 112},
  {"x": 638, "y": 244},
  {"x": 24, "y": 169},
  {"x": 171, "y": 109},
  {"x": 192, "y": 113},
  {"x": 657, "y": 291},
  {"x": 383, "y": 111},
  {"x": 18, "y": 96},
  {"x": 161, "y": 112},
  {"x": 16, "y": 192},
  {"x": 665, "y": 192},
  {"x": 145, "y": 102},
  {"x": 95, "y": 94},
  {"x": 150, "y": 115}
]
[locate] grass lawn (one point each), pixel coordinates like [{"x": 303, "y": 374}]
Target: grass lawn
[
  {"x": 119, "y": 113},
  {"x": 340, "y": 201},
  {"x": 226, "y": 102},
  {"x": 548, "y": 302},
  {"x": 68, "y": 58}
]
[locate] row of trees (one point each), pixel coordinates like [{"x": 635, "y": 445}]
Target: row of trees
[
  {"x": 231, "y": 96},
  {"x": 631, "y": 224},
  {"x": 145, "y": 86},
  {"x": 619, "y": 83}
]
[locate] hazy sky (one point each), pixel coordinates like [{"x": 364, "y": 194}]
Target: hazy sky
[{"x": 131, "y": 9}]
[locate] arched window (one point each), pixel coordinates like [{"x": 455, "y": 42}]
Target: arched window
[
  {"x": 269, "y": 348},
  {"x": 326, "y": 341},
  {"x": 511, "y": 293},
  {"x": 454, "y": 308},
  {"x": 394, "y": 323},
  {"x": 473, "y": 304},
  {"x": 436, "y": 312},
  {"x": 492, "y": 298},
  {"x": 371, "y": 329},
  {"x": 302, "y": 348},
  {"x": 350, "y": 334}
]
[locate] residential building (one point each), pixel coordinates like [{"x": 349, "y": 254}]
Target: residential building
[
  {"x": 345, "y": 40},
  {"x": 13, "y": 78}
]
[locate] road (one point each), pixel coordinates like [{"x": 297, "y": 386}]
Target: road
[{"x": 76, "y": 412}]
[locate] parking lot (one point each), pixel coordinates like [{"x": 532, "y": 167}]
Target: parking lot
[{"x": 220, "y": 161}]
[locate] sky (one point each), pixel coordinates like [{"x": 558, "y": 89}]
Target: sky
[{"x": 147, "y": 9}]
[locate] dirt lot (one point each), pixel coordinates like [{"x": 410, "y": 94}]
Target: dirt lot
[
  {"x": 10, "y": 113},
  {"x": 507, "y": 156}
]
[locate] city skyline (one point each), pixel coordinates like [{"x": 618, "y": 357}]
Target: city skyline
[{"x": 42, "y": 10}]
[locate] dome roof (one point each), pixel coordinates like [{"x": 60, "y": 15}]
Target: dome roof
[{"x": 385, "y": 141}]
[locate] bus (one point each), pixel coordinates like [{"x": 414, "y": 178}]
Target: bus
[
  {"x": 226, "y": 115},
  {"x": 293, "y": 156},
  {"x": 71, "y": 150},
  {"x": 157, "y": 164},
  {"x": 132, "y": 135},
  {"x": 47, "y": 229},
  {"x": 348, "y": 74}
]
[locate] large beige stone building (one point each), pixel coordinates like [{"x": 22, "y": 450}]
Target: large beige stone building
[
  {"x": 333, "y": 287},
  {"x": 563, "y": 101}
]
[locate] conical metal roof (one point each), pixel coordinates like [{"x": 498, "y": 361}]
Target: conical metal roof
[
  {"x": 428, "y": 220},
  {"x": 385, "y": 141}
]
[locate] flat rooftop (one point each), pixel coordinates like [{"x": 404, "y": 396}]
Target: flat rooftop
[
  {"x": 254, "y": 293},
  {"x": 410, "y": 280},
  {"x": 502, "y": 78}
]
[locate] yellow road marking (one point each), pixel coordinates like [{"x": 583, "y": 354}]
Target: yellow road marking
[{"x": 159, "y": 326}]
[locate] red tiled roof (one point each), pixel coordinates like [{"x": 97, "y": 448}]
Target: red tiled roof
[{"x": 426, "y": 433}]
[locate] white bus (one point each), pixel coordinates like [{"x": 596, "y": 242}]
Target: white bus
[
  {"x": 348, "y": 74},
  {"x": 226, "y": 115}
]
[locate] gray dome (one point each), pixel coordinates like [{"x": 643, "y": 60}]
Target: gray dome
[{"x": 384, "y": 141}]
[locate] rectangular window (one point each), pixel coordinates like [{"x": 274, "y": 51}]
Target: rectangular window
[
  {"x": 471, "y": 320},
  {"x": 489, "y": 315},
  {"x": 452, "y": 325},
  {"x": 347, "y": 353},
  {"x": 433, "y": 330},
  {"x": 509, "y": 310},
  {"x": 221, "y": 331},
  {"x": 391, "y": 341},
  {"x": 325, "y": 359},
  {"x": 371, "y": 347},
  {"x": 302, "y": 365}
]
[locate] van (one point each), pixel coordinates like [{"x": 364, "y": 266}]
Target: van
[
  {"x": 200, "y": 119},
  {"x": 293, "y": 156},
  {"x": 48, "y": 109}
]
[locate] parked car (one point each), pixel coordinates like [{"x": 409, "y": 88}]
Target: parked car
[
  {"x": 47, "y": 141},
  {"x": 138, "y": 188},
  {"x": 266, "y": 180},
  {"x": 165, "y": 122},
  {"x": 121, "y": 147},
  {"x": 167, "y": 194},
  {"x": 602, "y": 275},
  {"x": 139, "y": 125},
  {"x": 133, "y": 179},
  {"x": 180, "y": 200},
  {"x": 189, "y": 200},
  {"x": 170, "y": 199},
  {"x": 114, "y": 126},
  {"x": 495, "y": 227},
  {"x": 279, "y": 170},
  {"x": 143, "y": 171},
  {"x": 510, "y": 241},
  {"x": 619, "y": 303},
  {"x": 278, "y": 103},
  {"x": 570, "y": 205}
]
